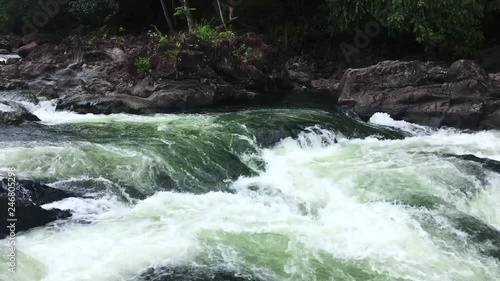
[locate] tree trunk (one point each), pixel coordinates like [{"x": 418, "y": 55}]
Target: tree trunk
[
  {"x": 221, "y": 14},
  {"x": 189, "y": 15},
  {"x": 167, "y": 16},
  {"x": 233, "y": 16}
]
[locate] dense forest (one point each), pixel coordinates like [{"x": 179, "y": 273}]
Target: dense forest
[{"x": 447, "y": 27}]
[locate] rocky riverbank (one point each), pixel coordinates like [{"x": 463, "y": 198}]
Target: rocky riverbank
[
  {"x": 141, "y": 75},
  {"x": 138, "y": 75}
]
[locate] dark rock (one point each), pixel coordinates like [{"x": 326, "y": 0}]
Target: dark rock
[
  {"x": 313, "y": 75},
  {"x": 35, "y": 192},
  {"x": 29, "y": 196},
  {"x": 12, "y": 113},
  {"x": 98, "y": 78},
  {"x": 461, "y": 96},
  {"x": 4, "y": 52},
  {"x": 325, "y": 84},
  {"x": 26, "y": 49},
  {"x": 495, "y": 76},
  {"x": 299, "y": 77},
  {"x": 490, "y": 59},
  {"x": 16, "y": 118},
  {"x": 10, "y": 42},
  {"x": 27, "y": 215}
]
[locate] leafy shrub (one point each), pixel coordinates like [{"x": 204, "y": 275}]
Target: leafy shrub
[
  {"x": 143, "y": 64},
  {"x": 207, "y": 32}
]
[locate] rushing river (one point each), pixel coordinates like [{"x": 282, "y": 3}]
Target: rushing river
[{"x": 262, "y": 194}]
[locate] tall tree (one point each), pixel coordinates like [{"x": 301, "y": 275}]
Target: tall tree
[
  {"x": 221, "y": 14},
  {"x": 167, "y": 16},
  {"x": 189, "y": 15}
]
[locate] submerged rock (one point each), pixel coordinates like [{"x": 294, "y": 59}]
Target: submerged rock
[
  {"x": 29, "y": 196},
  {"x": 461, "y": 96}
]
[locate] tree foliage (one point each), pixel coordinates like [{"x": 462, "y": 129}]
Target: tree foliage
[
  {"x": 449, "y": 24},
  {"x": 12, "y": 12},
  {"x": 94, "y": 11},
  {"x": 445, "y": 25}
]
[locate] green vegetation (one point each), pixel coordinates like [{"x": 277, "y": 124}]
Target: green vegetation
[
  {"x": 143, "y": 64},
  {"x": 451, "y": 26},
  {"x": 171, "y": 55},
  {"x": 94, "y": 12},
  {"x": 209, "y": 33},
  {"x": 246, "y": 52},
  {"x": 157, "y": 35}
]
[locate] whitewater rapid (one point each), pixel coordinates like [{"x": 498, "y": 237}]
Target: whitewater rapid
[{"x": 333, "y": 199}]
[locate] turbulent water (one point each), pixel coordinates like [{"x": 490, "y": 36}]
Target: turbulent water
[{"x": 262, "y": 194}]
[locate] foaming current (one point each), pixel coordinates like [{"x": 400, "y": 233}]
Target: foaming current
[{"x": 319, "y": 204}]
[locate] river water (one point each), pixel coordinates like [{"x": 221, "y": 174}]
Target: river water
[{"x": 261, "y": 194}]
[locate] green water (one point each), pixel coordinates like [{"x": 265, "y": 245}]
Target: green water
[{"x": 264, "y": 194}]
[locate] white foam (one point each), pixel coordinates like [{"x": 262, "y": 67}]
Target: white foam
[
  {"x": 5, "y": 108},
  {"x": 319, "y": 208},
  {"x": 385, "y": 119}
]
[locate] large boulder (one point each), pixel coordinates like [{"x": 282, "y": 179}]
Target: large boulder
[
  {"x": 461, "y": 96},
  {"x": 12, "y": 113},
  {"x": 24, "y": 51},
  {"x": 29, "y": 196}
]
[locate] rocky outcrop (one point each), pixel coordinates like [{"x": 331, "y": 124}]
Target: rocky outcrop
[
  {"x": 311, "y": 74},
  {"x": 461, "y": 96},
  {"x": 103, "y": 77},
  {"x": 12, "y": 113},
  {"x": 29, "y": 196}
]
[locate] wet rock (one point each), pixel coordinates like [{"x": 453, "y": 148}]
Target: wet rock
[
  {"x": 9, "y": 59},
  {"x": 461, "y": 96},
  {"x": 12, "y": 113},
  {"x": 35, "y": 192},
  {"x": 28, "y": 216},
  {"x": 29, "y": 196},
  {"x": 15, "y": 118}
]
